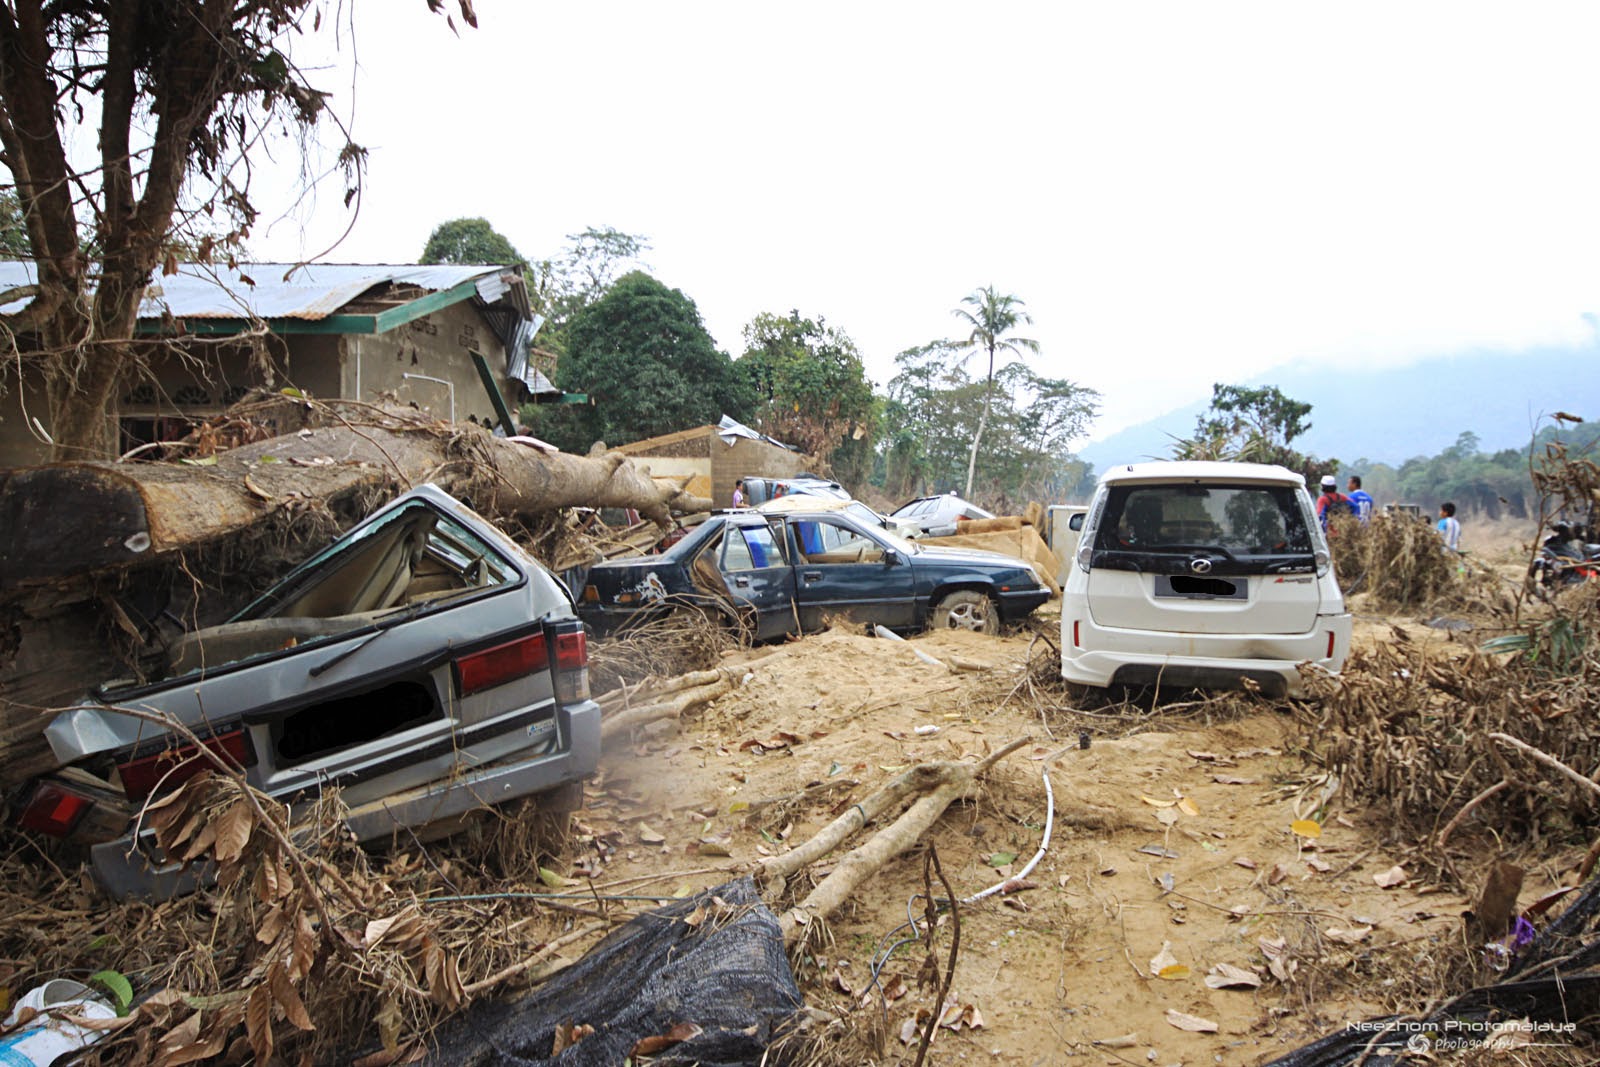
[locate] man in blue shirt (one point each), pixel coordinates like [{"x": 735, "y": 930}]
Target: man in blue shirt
[{"x": 1360, "y": 499}]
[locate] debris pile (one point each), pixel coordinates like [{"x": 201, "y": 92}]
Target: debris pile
[{"x": 1396, "y": 559}]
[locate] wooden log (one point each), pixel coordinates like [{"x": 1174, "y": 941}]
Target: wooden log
[
  {"x": 79, "y": 518},
  {"x": 995, "y": 525}
]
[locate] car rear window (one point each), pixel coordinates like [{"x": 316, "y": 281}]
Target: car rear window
[{"x": 1254, "y": 520}]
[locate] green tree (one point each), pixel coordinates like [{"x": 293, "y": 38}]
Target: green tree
[
  {"x": 648, "y": 365},
  {"x": 808, "y": 381},
  {"x": 1245, "y": 425},
  {"x": 992, "y": 316},
  {"x": 579, "y": 274},
  {"x": 934, "y": 406},
  {"x": 182, "y": 94},
  {"x": 470, "y": 241}
]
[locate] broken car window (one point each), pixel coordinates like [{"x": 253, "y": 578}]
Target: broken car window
[{"x": 406, "y": 563}]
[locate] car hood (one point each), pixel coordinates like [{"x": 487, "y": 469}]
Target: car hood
[{"x": 951, "y": 554}]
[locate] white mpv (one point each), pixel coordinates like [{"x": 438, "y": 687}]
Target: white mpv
[{"x": 1201, "y": 574}]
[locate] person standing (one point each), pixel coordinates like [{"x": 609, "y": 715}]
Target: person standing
[
  {"x": 1448, "y": 527},
  {"x": 1331, "y": 500},
  {"x": 1360, "y": 499},
  {"x": 738, "y": 493}
]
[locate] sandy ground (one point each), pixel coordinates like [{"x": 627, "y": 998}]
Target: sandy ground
[{"x": 1172, "y": 854}]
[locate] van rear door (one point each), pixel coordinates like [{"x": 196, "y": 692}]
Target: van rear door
[{"x": 1204, "y": 558}]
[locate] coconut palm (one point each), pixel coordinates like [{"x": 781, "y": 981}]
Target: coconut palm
[{"x": 992, "y": 317}]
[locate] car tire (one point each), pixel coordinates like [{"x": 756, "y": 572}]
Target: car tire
[{"x": 965, "y": 609}]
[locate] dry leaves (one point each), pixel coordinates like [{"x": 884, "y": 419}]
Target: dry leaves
[
  {"x": 1192, "y": 1023},
  {"x": 1394, "y": 876},
  {"x": 1165, "y": 965},
  {"x": 1227, "y": 976}
]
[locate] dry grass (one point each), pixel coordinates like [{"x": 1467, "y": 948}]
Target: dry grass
[
  {"x": 1407, "y": 726},
  {"x": 663, "y": 646},
  {"x": 1396, "y": 559}
]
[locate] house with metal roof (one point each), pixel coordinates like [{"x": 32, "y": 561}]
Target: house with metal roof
[{"x": 435, "y": 336}]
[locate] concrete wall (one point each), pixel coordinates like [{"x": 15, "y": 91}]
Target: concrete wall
[
  {"x": 751, "y": 459},
  {"x": 437, "y": 346}
]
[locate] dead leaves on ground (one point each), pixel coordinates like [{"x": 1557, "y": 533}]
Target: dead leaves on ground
[{"x": 310, "y": 934}]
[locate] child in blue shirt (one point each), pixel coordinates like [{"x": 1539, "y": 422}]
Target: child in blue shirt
[{"x": 1448, "y": 527}]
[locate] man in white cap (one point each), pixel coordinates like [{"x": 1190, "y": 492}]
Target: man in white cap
[{"x": 1331, "y": 500}]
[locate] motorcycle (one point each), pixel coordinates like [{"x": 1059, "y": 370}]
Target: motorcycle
[{"x": 1565, "y": 559}]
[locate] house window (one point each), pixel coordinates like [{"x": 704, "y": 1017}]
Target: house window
[{"x": 190, "y": 396}]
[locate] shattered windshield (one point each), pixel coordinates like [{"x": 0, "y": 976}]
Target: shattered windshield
[{"x": 406, "y": 563}]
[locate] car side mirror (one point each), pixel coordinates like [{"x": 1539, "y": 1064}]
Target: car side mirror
[{"x": 891, "y": 558}]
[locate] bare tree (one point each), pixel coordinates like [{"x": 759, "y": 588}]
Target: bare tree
[{"x": 183, "y": 90}]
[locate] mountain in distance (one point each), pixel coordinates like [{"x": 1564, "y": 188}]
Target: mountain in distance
[{"x": 1390, "y": 415}]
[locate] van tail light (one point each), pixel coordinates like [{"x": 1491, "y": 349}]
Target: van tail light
[
  {"x": 1077, "y": 633},
  {"x": 1330, "y": 644},
  {"x": 173, "y": 766},
  {"x": 54, "y": 809},
  {"x": 572, "y": 662},
  {"x": 502, "y": 663}
]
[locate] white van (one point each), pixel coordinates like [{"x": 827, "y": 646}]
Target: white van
[{"x": 1201, "y": 574}]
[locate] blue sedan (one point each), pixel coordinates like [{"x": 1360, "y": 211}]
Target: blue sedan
[{"x": 796, "y": 571}]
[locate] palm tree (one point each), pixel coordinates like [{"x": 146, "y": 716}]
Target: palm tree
[{"x": 992, "y": 316}]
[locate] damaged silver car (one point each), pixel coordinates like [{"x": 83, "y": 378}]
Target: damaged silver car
[{"x": 423, "y": 664}]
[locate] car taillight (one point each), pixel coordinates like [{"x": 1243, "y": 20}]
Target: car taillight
[
  {"x": 572, "y": 666},
  {"x": 173, "y": 766},
  {"x": 53, "y": 809},
  {"x": 1330, "y": 644},
  {"x": 1077, "y": 633},
  {"x": 500, "y": 664}
]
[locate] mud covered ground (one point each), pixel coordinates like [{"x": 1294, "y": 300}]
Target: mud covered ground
[{"x": 1172, "y": 856}]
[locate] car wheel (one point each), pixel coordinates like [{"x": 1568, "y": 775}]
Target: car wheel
[{"x": 965, "y": 609}]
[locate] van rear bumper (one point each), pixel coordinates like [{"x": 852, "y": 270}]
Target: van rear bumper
[{"x": 1103, "y": 656}]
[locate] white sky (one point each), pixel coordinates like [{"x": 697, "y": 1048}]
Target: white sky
[{"x": 1182, "y": 193}]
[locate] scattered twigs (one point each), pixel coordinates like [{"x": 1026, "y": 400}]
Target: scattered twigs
[
  {"x": 1467, "y": 809},
  {"x": 1044, "y": 845},
  {"x": 1546, "y": 759},
  {"x": 532, "y": 960},
  {"x": 858, "y": 815},
  {"x": 931, "y": 861}
]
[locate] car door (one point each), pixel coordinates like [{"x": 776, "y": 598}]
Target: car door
[
  {"x": 844, "y": 569},
  {"x": 756, "y": 569}
]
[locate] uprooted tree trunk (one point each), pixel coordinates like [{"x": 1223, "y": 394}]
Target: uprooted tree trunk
[{"x": 69, "y": 519}]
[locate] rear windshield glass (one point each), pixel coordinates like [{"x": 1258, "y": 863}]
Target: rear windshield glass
[{"x": 1240, "y": 520}]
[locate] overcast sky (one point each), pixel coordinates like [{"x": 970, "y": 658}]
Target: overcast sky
[{"x": 1181, "y": 193}]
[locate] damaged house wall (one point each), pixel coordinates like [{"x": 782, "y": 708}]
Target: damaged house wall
[
  {"x": 342, "y": 332},
  {"x": 712, "y": 465},
  {"x": 436, "y": 346}
]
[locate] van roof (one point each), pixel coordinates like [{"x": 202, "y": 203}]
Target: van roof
[{"x": 1202, "y": 471}]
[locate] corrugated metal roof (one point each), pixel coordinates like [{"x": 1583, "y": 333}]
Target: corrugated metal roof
[{"x": 312, "y": 291}]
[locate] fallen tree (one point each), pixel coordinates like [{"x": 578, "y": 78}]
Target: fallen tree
[
  {"x": 91, "y": 553},
  {"x": 71, "y": 519}
]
